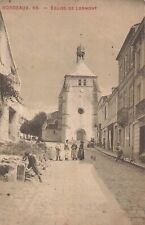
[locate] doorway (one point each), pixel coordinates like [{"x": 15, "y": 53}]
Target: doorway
[
  {"x": 81, "y": 135},
  {"x": 142, "y": 139}
]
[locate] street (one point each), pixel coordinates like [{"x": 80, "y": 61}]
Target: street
[
  {"x": 72, "y": 113},
  {"x": 72, "y": 193},
  {"x": 126, "y": 182}
]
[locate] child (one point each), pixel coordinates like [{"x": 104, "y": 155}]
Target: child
[{"x": 58, "y": 149}]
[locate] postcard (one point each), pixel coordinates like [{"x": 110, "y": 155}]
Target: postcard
[{"x": 72, "y": 112}]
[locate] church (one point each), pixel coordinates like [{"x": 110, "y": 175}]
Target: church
[{"x": 76, "y": 118}]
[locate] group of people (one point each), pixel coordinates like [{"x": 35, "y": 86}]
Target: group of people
[
  {"x": 73, "y": 150},
  {"x": 77, "y": 152}
]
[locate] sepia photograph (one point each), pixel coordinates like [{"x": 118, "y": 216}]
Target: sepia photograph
[{"x": 72, "y": 112}]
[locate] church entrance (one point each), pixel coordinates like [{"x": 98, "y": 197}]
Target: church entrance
[{"x": 81, "y": 135}]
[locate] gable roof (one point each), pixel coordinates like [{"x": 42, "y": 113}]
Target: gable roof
[{"x": 82, "y": 70}]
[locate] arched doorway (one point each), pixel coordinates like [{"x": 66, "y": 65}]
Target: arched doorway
[{"x": 81, "y": 135}]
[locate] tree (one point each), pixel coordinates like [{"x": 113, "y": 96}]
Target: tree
[
  {"x": 25, "y": 127},
  {"x": 7, "y": 90},
  {"x": 36, "y": 124}
]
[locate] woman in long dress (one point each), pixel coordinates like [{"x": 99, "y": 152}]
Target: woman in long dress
[
  {"x": 81, "y": 151},
  {"x": 74, "y": 151}
]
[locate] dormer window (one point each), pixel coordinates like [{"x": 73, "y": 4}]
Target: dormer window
[
  {"x": 79, "y": 82},
  {"x": 85, "y": 82}
]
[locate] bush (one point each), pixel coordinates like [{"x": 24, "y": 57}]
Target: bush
[{"x": 20, "y": 148}]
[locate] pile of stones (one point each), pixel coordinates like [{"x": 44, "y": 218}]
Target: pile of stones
[{"x": 11, "y": 168}]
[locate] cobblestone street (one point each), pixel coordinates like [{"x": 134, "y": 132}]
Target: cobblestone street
[
  {"x": 126, "y": 182},
  {"x": 72, "y": 193}
]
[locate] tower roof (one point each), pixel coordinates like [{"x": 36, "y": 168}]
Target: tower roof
[{"x": 82, "y": 70}]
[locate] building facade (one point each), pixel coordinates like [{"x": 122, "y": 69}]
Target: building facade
[
  {"x": 107, "y": 116},
  {"x": 112, "y": 120},
  {"x": 102, "y": 133},
  {"x": 9, "y": 108},
  {"x": 77, "y": 110},
  {"x": 125, "y": 115},
  {"x": 139, "y": 90},
  {"x": 131, "y": 92},
  {"x": 78, "y": 102}
]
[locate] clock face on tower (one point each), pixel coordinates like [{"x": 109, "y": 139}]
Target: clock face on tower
[{"x": 80, "y": 110}]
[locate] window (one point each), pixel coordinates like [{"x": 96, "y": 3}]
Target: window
[
  {"x": 120, "y": 102},
  {"x": 105, "y": 113},
  {"x": 130, "y": 95},
  {"x": 124, "y": 68},
  {"x": 80, "y": 110},
  {"x": 120, "y": 136},
  {"x": 138, "y": 93},
  {"x": 85, "y": 82},
  {"x": 128, "y": 60},
  {"x": 79, "y": 82},
  {"x": 138, "y": 59},
  {"x": 125, "y": 64},
  {"x": 131, "y": 56},
  {"x": 125, "y": 99},
  {"x": 129, "y": 135},
  {"x": 120, "y": 71}
]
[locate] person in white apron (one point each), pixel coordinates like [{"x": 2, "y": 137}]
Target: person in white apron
[{"x": 66, "y": 149}]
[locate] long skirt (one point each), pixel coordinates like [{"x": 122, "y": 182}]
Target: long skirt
[
  {"x": 74, "y": 154},
  {"x": 67, "y": 154},
  {"x": 81, "y": 154}
]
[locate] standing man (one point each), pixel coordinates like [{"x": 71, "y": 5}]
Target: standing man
[
  {"x": 32, "y": 164},
  {"x": 74, "y": 151}
]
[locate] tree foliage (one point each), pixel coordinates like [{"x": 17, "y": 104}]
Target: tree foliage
[
  {"x": 7, "y": 89},
  {"x": 25, "y": 127},
  {"x": 34, "y": 126}
]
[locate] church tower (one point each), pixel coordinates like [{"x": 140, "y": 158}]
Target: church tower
[{"x": 78, "y": 102}]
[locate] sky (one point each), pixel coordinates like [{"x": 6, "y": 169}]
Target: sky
[{"x": 44, "y": 42}]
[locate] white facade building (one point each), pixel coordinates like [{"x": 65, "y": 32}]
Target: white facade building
[{"x": 78, "y": 102}]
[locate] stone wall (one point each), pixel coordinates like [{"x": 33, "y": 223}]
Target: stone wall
[{"x": 9, "y": 127}]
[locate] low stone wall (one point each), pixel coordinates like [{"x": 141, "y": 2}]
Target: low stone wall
[
  {"x": 12, "y": 168},
  {"x": 91, "y": 154}
]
